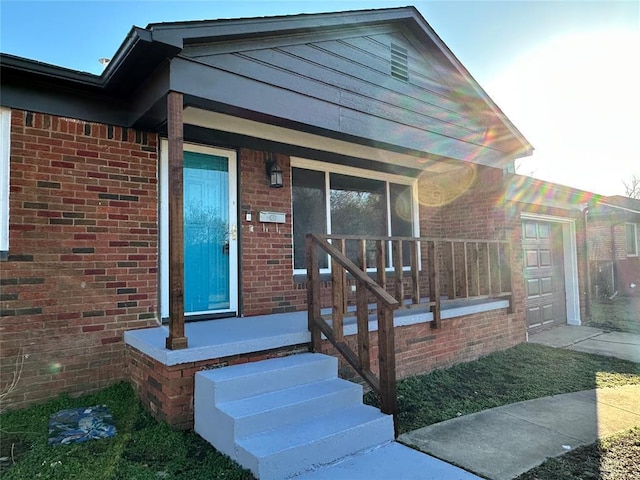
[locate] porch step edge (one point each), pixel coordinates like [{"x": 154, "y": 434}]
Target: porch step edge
[
  {"x": 292, "y": 405},
  {"x": 256, "y": 378},
  {"x": 297, "y": 448}
]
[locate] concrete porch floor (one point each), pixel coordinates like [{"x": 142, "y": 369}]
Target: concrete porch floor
[{"x": 239, "y": 335}]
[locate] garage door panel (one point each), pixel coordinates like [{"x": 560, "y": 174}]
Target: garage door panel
[
  {"x": 544, "y": 273},
  {"x": 545, "y": 258},
  {"x": 533, "y": 287},
  {"x": 534, "y": 316},
  {"x": 530, "y": 230},
  {"x": 532, "y": 258},
  {"x": 547, "y": 285},
  {"x": 544, "y": 230}
]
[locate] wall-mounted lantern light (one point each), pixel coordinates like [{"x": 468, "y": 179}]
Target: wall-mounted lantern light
[{"x": 274, "y": 172}]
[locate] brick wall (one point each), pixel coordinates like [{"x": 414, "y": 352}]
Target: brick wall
[
  {"x": 167, "y": 391},
  {"x": 266, "y": 248},
  {"x": 422, "y": 349},
  {"x": 83, "y": 253}
]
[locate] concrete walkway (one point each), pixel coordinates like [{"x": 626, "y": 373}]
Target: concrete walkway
[
  {"x": 504, "y": 442},
  {"x": 591, "y": 340},
  {"x": 390, "y": 462}
]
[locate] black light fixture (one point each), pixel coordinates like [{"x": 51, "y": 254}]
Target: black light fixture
[{"x": 274, "y": 172}]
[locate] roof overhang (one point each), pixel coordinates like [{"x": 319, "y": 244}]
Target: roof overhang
[{"x": 145, "y": 50}]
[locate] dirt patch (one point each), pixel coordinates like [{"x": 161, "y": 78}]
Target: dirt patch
[{"x": 620, "y": 314}]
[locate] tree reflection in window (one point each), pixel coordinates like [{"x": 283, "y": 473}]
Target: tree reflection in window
[{"x": 358, "y": 206}]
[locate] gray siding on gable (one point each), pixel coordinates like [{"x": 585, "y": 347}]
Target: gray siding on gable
[{"x": 344, "y": 83}]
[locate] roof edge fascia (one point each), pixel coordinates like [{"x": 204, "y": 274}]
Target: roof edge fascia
[
  {"x": 209, "y": 30},
  {"x": 37, "y": 67},
  {"x": 135, "y": 38}
]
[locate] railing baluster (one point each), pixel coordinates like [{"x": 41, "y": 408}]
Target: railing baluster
[
  {"x": 488, "y": 247},
  {"x": 477, "y": 249},
  {"x": 381, "y": 263},
  {"x": 363, "y": 311},
  {"x": 415, "y": 273},
  {"x": 466, "y": 270},
  {"x": 337, "y": 299},
  {"x": 451, "y": 270},
  {"x": 313, "y": 294},
  {"x": 345, "y": 293},
  {"x": 397, "y": 265},
  {"x": 434, "y": 283},
  {"x": 498, "y": 253},
  {"x": 508, "y": 258}
]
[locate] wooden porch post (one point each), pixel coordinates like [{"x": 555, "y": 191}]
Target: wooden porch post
[{"x": 176, "y": 339}]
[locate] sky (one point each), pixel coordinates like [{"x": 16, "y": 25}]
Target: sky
[{"x": 566, "y": 73}]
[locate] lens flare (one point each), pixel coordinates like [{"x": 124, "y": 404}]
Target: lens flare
[
  {"x": 55, "y": 367},
  {"x": 438, "y": 189}
]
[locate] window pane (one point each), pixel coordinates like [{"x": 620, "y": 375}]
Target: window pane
[
  {"x": 632, "y": 240},
  {"x": 309, "y": 211},
  {"x": 358, "y": 207},
  {"x": 402, "y": 216}
]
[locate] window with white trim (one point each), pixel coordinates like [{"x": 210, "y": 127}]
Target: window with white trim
[
  {"x": 5, "y": 142},
  {"x": 348, "y": 201},
  {"x": 632, "y": 239}
]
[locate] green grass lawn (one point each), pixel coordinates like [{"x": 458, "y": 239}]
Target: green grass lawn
[
  {"x": 145, "y": 449},
  {"x": 524, "y": 372}
]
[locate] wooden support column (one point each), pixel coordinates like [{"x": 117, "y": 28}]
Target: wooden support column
[
  {"x": 313, "y": 294},
  {"x": 176, "y": 339}
]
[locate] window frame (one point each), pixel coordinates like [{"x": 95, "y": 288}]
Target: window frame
[
  {"x": 5, "y": 155},
  {"x": 328, "y": 169},
  {"x": 634, "y": 252}
]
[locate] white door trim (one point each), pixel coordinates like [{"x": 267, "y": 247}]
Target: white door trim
[
  {"x": 164, "y": 222},
  {"x": 570, "y": 255}
]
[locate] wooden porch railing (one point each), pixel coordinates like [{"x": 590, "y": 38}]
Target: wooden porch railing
[
  {"x": 450, "y": 268},
  {"x": 385, "y": 385}
]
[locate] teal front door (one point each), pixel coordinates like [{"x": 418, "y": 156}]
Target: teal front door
[
  {"x": 210, "y": 235},
  {"x": 206, "y": 233}
]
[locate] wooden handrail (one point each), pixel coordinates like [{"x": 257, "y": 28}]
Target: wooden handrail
[
  {"x": 453, "y": 267},
  {"x": 385, "y": 384}
]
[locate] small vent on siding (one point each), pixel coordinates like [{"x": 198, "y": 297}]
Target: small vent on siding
[{"x": 399, "y": 63}]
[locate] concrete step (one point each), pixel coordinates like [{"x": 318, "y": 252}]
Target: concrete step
[
  {"x": 284, "y": 416},
  {"x": 293, "y": 449},
  {"x": 288, "y": 406},
  {"x": 256, "y": 378}
]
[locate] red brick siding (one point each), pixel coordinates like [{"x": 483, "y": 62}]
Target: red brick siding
[
  {"x": 600, "y": 236},
  {"x": 83, "y": 253},
  {"x": 421, "y": 349},
  {"x": 266, "y": 248},
  {"x": 167, "y": 391}
]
